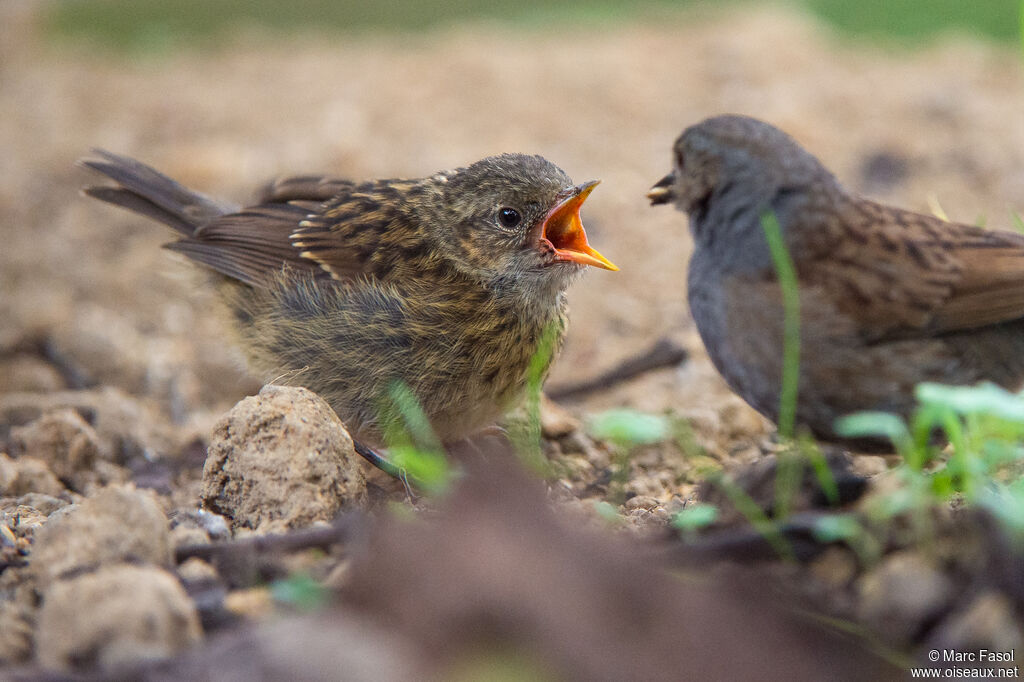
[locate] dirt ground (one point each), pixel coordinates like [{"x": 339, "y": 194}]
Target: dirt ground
[{"x": 89, "y": 301}]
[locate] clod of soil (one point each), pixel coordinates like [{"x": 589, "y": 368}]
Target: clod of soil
[
  {"x": 281, "y": 459},
  {"x": 17, "y": 616},
  {"x": 27, "y": 475},
  {"x": 988, "y": 622},
  {"x": 136, "y": 613},
  {"x": 66, "y": 443},
  {"x": 118, "y": 524},
  {"x": 900, "y": 596}
]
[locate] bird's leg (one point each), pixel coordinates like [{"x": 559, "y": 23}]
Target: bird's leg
[{"x": 379, "y": 461}]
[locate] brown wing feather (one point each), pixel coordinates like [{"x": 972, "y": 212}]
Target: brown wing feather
[
  {"x": 304, "y": 188},
  {"x": 252, "y": 245},
  {"x": 991, "y": 284},
  {"x": 901, "y": 274}
]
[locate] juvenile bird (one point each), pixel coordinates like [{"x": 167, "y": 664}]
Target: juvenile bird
[
  {"x": 446, "y": 283},
  {"x": 888, "y": 298}
]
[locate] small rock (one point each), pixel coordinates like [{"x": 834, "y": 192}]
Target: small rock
[
  {"x": 214, "y": 526},
  {"x": 133, "y": 613},
  {"x": 65, "y": 442},
  {"x": 44, "y": 504},
  {"x": 642, "y": 502},
  {"x": 281, "y": 459},
  {"x": 123, "y": 426},
  {"x": 29, "y": 373},
  {"x": 184, "y": 536},
  {"x": 555, "y": 421},
  {"x": 195, "y": 569},
  {"x": 836, "y": 567},
  {"x": 988, "y": 622},
  {"x": 26, "y": 520},
  {"x": 904, "y": 592},
  {"x": 16, "y": 616},
  {"x": 27, "y": 475},
  {"x": 118, "y": 524},
  {"x": 253, "y": 603},
  {"x": 869, "y": 465}
]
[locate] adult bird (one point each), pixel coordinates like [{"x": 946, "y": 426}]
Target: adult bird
[{"x": 888, "y": 298}]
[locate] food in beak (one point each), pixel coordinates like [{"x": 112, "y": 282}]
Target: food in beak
[{"x": 661, "y": 193}]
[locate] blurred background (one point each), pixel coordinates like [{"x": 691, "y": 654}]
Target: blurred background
[{"x": 917, "y": 103}]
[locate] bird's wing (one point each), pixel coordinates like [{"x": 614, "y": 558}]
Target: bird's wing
[
  {"x": 903, "y": 274},
  {"x": 313, "y": 189},
  {"x": 327, "y": 227},
  {"x": 362, "y": 232},
  {"x": 252, "y": 245}
]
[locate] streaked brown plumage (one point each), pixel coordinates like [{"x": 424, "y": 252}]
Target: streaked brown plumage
[
  {"x": 889, "y": 298},
  {"x": 446, "y": 283}
]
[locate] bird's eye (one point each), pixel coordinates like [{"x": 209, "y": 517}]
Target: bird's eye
[{"x": 509, "y": 217}]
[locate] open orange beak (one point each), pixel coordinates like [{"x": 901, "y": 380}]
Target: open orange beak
[{"x": 563, "y": 230}]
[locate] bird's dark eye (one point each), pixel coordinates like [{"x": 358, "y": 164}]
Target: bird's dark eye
[{"x": 509, "y": 217}]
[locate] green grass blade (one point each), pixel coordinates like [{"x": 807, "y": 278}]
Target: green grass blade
[
  {"x": 413, "y": 447},
  {"x": 750, "y": 510},
  {"x": 525, "y": 432},
  {"x": 786, "y": 272},
  {"x": 1018, "y": 222},
  {"x": 826, "y": 481}
]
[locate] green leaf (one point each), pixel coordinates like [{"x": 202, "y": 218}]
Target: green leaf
[
  {"x": 694, "y": 517},
  {"x": 413, "y": 447},
  {"x": 985, "y": 398},
  {"x": 872, "y": 425},
  {"x": 427, "y": 468},
  {"x": 836, "y": 527},
  {"x": 300, "y": 591},
  {"x": 628, "y": 427},
  {"x": 1006, "y": 503},
  {"x": 608, "y": 512}
]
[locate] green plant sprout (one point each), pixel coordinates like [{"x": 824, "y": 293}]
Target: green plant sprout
[
  {"x": 786, "y": 272},
  {"x": 801, "y": 450},
  {"x": 301, "y": 591},
  {"x": 694, "y": 517},
  {"x": 413, "y": 447},
  {"x": 768, "y": 528},
  {"x": 984, "y": 427},
  {"x": 625, "y": 430},
  {"x": 1018, "y": 222},
  {"x": 525, "y": 430}
]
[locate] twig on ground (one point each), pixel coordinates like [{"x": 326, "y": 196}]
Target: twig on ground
[
  {"x": 664, "y": 353},
  {"x": 340, "y": 531}
]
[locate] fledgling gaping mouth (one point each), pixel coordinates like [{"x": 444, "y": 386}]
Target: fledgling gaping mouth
[{"x": 562, "y": 231}]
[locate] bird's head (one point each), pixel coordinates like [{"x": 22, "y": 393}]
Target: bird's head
[
  {"x": 740, "y": 164},
  {"x": 515, "y": 219}
]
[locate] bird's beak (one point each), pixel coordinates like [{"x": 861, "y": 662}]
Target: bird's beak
[
  {"x": 662, "y": 193},
  {"x": 563, "y": 230}
]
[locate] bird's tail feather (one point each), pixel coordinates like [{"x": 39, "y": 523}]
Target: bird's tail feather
[{"x": 150, "y": 193}]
